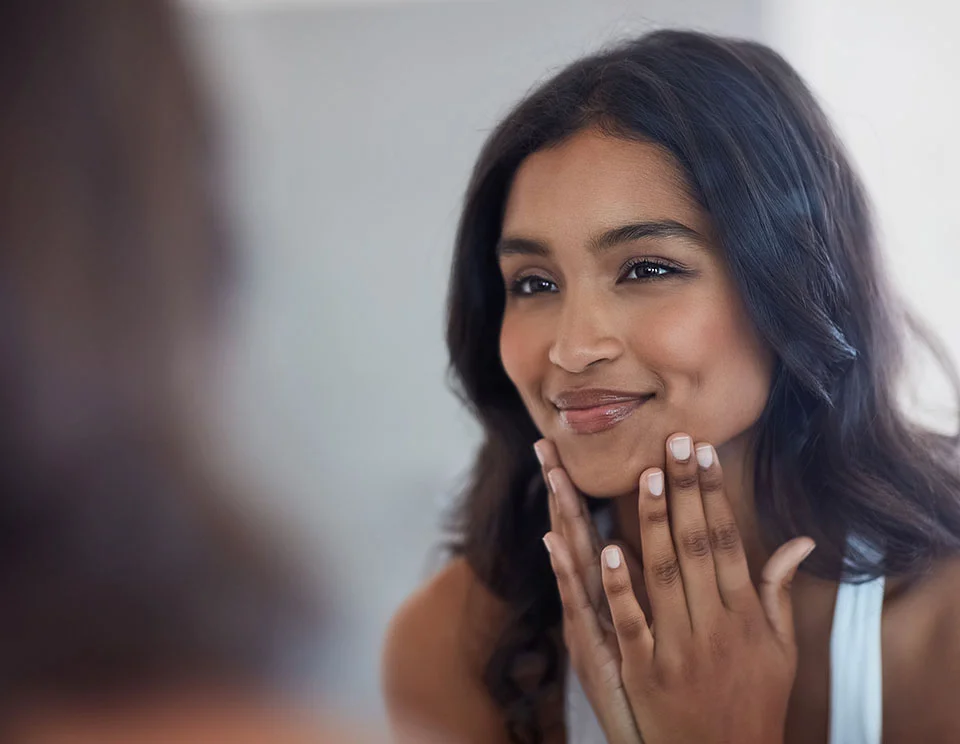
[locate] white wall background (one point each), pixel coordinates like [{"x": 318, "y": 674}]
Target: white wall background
[{"x": 353, "y": 127}]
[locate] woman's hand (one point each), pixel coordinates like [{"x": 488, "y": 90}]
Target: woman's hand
[
  {"x": 722, "y": 663},
  {"x": 588, "y": 631}
]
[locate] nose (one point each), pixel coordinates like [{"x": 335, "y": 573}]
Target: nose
[{"x": 585, "y": 335}]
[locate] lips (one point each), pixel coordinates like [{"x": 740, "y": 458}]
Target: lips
[{"x": 593, "y": 411}]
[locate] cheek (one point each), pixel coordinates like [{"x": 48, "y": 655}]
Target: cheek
[
  {"x": 522, "y": 352},
  {"x": 735, "y": 383},
  {"x": 715, "y": 370},
  {"x": 673, "y": 341}
]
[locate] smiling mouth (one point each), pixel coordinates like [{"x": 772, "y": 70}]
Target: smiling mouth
[{"x": 592, "y": 419}]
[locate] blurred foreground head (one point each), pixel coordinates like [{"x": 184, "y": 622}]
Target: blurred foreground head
[{"x": 123, "y": 567}]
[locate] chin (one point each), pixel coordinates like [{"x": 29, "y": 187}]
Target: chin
[
  {"x": 601, "y": 485},
  {"x": 607, "y": 472}
]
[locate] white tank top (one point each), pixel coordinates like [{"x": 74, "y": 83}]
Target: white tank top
[{"x": 856, "y": 680}]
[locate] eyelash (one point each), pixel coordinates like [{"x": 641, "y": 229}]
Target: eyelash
[{"x": 517, "y": 285}]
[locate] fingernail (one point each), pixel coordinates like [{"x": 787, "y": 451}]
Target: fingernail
[
  {"x": 655, "y": 483},
  {"x": 808, "y": 552},
  {"x": 554, "y": 480},
  {"x": 546, "y": 542},
  {"x": 612, "y": 556},
  {"x": 538, "y": 453},
  {"x": 680, "y": 447},
  {"x": 705, "y": 456}
]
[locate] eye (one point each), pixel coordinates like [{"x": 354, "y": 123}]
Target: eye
[
  {"x": 525, "y": 286},
  {"x": 646, "y": 269}
]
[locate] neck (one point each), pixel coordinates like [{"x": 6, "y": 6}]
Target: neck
[{"x": 737, "y": 461}]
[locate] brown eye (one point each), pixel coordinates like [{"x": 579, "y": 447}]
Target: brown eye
[
  {"x": 645, "y": 269},
  {"x": 531, "y": 285}
]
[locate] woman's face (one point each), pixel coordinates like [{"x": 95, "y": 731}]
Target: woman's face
[{"x": 622, "y": 324}]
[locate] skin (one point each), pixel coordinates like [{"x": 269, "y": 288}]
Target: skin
[
  {"x": 198, "y": 716},
  {"x": 721, "y": 664},
  {"x": 682, "y": 335}
]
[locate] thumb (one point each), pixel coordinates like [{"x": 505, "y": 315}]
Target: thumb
[{"x": 776, "y": 582}]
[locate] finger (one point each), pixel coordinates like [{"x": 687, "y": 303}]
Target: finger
[
  {"x": 730, "y": 560},
  {"x": 575, "y": 522},
  {"x": 549, "y": 459},
  {"x": 563, "y": 499},
  {"x": 635, "y": 568},
  {"x": 599, "y": 660},
  {"x": 579, "y": 617},
  {"x": 776, "y": 582},
  {"x": 543, "y": 449},
  {"x": 567, "y": 501},
  {"x": 690, "y": 537},
  {"x": 661, "y": 569},
  {"x": 633, "y": 632},
  {"x": 583, "y": 538}
]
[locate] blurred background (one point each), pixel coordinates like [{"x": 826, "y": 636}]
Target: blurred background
[{"x": 351, "y": 129}]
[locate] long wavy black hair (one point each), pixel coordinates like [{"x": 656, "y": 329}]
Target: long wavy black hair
[{"x": 836, "y": 456}]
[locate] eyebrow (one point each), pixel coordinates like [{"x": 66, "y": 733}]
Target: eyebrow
[{"x": 608, "y": 239}]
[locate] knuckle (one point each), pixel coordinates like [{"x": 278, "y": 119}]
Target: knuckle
[
  {"x": 695, "y": 543},
  {"x": 582, "y": 601},
  {"x": 686, "y": 480},
  {"x": 666, "y": 572},
  {"x": 631, "y": 627},
  {"x": 657, "y": 516},
  {"x": 718, "y": 644},
  {"x": 578, "y": 603},
  {"x": 573, "y": 604},
  {"x": 581, "y": 525},
  {"x": 567, "y": 584},
  {"x": 711, "y": 482},
  {"x": 618, "y": 586},
  {"x": 677, "y": 670},
  {"x": 749, "y": 627},
  {"x": 725, "y": 538}
]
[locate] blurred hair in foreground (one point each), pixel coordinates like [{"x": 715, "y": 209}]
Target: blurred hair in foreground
[{"x": 129, "y": 581}]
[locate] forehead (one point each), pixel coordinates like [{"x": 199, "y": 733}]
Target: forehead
[{"x": 592, "y": 181}]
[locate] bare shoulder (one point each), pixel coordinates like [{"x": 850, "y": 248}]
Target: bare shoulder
[
  {"x": 434, "y": 655},
  {"x": 923, "y": 634},
  {"x": 944, "y": 601},
  {"x": 937, "y": 597},
  {"x": 193, "y": 717}
]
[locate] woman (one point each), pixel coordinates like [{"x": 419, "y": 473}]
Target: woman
[
  {"x": 137, "y": 603},
  {"x": 666, "y": 277}
]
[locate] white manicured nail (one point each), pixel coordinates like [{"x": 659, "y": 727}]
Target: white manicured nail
[
  {"x": 680, "y": 447},
  {"x": 612, "y": 556},
  {"x": 705, "y": 456},
  {"x": 655, "y": 483},
  {"x": 539, "y": 454}
]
